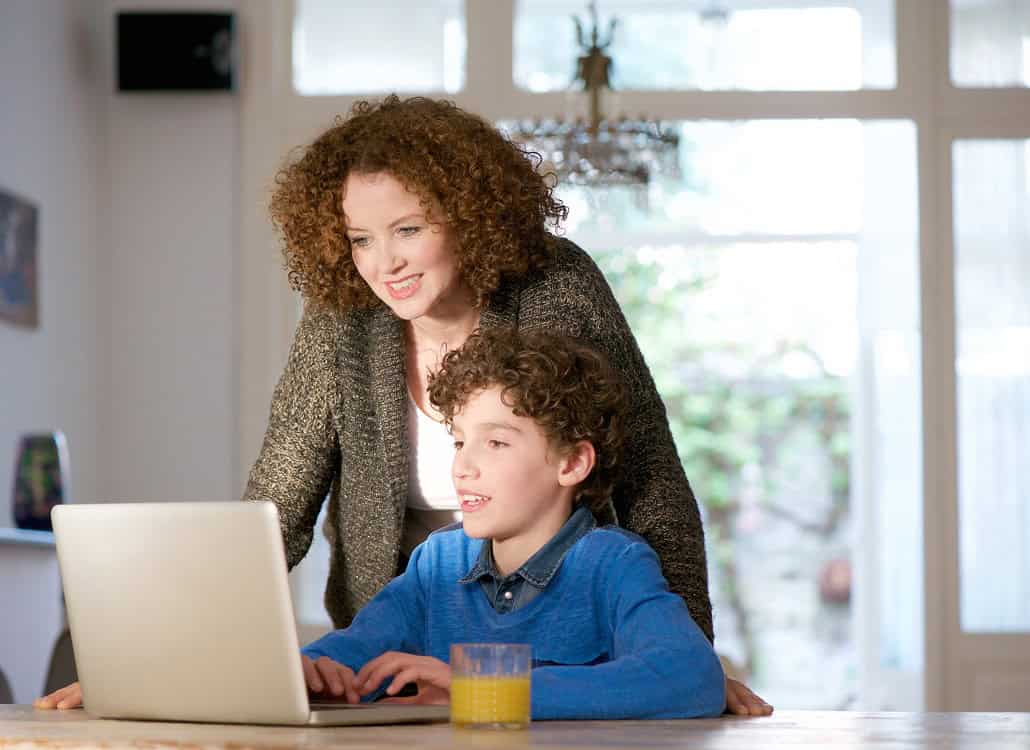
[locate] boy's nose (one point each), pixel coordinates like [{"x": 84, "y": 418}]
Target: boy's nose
[{"x": 463, "y": 468}]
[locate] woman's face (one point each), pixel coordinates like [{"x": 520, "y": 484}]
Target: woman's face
[{"x": 408, "y": 262}]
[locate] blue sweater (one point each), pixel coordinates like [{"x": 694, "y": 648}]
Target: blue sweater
[{"x": 610, "y": 641}]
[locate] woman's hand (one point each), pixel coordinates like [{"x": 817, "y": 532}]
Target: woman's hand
[
  {"x": 431, "y": 676},
  {"x": 70, "y": 696},
  {"x": 327, "y": 677},
  {"x": 742, "y": 702}
]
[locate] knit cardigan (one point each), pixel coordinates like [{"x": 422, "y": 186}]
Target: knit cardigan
[{"x": 338, "y": 427}]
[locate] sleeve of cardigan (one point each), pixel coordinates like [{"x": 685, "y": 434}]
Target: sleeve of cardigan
[
  {"x": 653, "y": 497},
  {"x": 300, "y": 454}
]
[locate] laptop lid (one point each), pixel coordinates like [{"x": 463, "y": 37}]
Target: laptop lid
[{"x": 182, "y": 612}]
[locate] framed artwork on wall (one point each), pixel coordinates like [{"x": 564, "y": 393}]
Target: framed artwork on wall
[{"x": 19, "y": 233}]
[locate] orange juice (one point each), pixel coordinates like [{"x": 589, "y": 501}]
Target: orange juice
[{"x": 499, "y": 701}]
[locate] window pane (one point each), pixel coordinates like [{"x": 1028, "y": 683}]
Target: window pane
[
  {"x": 992, "y": 289},
  {"x": 773, "y": 290},
  {"x": 990, "y": 42},
  {"x": 352, "y": 47},
  {"x": 758, "y": 45},
  {"x": 759, "y": 177}
]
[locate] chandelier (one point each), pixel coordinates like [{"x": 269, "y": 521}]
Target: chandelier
[{"x": 597, "y": 151}]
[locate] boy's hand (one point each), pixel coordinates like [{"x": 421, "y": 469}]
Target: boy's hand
[
  {"x": 431, "y": 676},
  {"x": 326, "y": 676},
  {"x": 70, "y": 696}
]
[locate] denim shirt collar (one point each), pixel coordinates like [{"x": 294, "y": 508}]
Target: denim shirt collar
[{"x": 541, "y": 567}]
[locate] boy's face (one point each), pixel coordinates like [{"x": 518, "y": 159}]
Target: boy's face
[{"x": 506, "y": 473}]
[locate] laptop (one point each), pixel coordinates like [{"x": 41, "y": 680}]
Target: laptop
[{"x": 182, "y": 612}]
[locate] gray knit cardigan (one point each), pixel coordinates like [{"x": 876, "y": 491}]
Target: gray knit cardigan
[{"x": 338, "y": 428}]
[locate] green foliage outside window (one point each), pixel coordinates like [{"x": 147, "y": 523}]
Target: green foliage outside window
[{"x": 733, "y": 409}]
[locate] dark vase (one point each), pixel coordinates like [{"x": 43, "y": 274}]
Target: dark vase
[{"x": 40, "y": 479}]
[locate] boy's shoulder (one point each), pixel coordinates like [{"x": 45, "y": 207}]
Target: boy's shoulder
[
  {"x": 448, "y": 529},
  {"x": 610, "y": 541},
  {"x": 449, "y": 542}
]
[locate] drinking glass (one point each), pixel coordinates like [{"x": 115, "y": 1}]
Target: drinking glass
[{"x": 490, "y": 685}]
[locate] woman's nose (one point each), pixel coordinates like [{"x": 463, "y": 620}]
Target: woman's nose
[{"x": 389, "y": 260}]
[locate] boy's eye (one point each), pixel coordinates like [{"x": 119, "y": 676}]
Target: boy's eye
[
  {"x": 496, "y": 443},
  {"x": 458, "y": 444}
]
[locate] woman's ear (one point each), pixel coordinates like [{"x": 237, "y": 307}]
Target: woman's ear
[{"x": 576, "y": 465}]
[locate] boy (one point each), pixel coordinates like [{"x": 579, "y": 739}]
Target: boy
[{"x": 537, "y": 426}]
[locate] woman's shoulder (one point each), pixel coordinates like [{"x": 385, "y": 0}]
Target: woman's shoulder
[
  {"x": 568, "y": 257},
  {"x": 325, "y": 325},
  {"x": 572, "y": 276},
  {"x": 570, "y": 296}
]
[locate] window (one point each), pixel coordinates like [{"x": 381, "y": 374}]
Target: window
[
  {"x": 757, "y": 46},
  {"x": 990, "y": 43},
  {"x": 992, "y": 291},
  {"x": 772, "y": 290},
  {"x": 352, "y": 47}
]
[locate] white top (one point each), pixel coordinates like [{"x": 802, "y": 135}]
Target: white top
[{"x": 432, "y": 501}]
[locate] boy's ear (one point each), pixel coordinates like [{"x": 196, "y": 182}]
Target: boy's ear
[{"x": 576, "y": 465}]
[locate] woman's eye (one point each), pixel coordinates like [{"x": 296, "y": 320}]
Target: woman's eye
[
  {"x": 358, "y": 241},
  {"x": 409, "y": 231}
]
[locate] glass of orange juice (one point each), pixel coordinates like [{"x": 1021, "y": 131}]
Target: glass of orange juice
[{"x": 490, "y": 685}]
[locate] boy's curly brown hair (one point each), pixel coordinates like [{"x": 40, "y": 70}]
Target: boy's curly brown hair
[
  {"x": 469, "y": 177},
  {"x": 567, "y": 388}
]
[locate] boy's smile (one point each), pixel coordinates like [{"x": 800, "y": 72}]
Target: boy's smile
[{"x": 509, "y": 478}]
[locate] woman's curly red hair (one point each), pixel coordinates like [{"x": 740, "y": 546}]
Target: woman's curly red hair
[
  {"x": 567, "y": 388},
  {"x": 482, "y": 186}
]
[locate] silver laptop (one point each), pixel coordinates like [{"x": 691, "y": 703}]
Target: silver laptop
[{"x": 182, "y": 612}]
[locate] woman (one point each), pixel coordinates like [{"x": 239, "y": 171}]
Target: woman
[{"x": 406, "y": 226}]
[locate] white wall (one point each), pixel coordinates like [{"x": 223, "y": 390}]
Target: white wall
[
  {"x": 51, "y": 151},
  {"x": 135, "y": 356},
  {"x": 169, "y": 289}
]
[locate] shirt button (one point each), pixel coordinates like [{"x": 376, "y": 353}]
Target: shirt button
[{"x": 508, "y": 595}]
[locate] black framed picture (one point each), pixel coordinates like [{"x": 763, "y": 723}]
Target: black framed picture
[{"x": 19, "y": 296}]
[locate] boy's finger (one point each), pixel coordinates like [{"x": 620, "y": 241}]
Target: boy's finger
[
  {"x": 372, "y": 668},
  {"x": 327, "y": 671},
  {"x": 376, "y": 673},
  {"x": 402, "y": 678},
  {"x": 311, "y": 677},
  {"x": 349, "y": 690}
]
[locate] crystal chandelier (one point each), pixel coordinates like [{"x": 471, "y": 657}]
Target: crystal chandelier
[{"x": 600, "y": 152}]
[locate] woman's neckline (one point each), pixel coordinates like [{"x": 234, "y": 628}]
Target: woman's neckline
[{"x": 419, "y": 409}]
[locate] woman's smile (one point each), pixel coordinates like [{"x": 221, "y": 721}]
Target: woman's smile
[{"x": 404, "y": 288}]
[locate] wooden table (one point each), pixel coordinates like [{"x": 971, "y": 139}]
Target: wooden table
[{"x": 24, "y": 728}]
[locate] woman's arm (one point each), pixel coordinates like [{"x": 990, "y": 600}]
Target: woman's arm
[
  {"x": 653, "y": 497},
  {"x": 300, "y": 454}
]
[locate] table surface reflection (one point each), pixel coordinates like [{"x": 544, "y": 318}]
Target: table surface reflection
[{"x": 25, "y": 728}]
